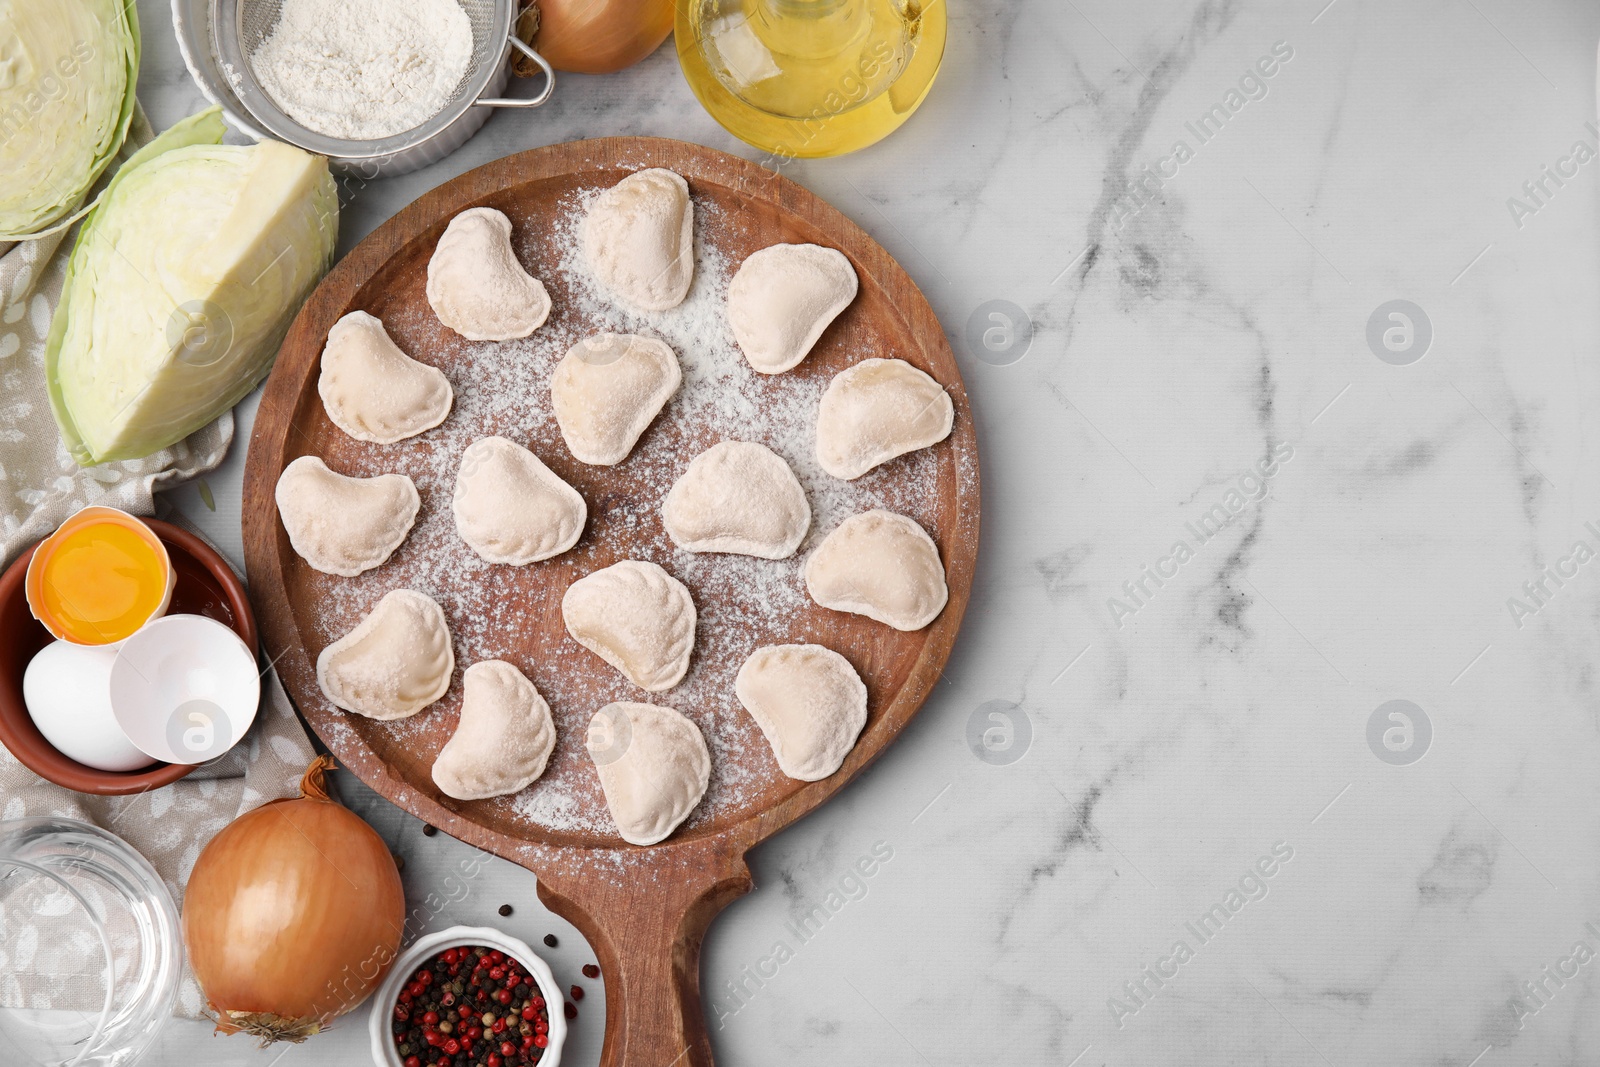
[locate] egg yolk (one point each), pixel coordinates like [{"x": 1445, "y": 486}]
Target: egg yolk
[{"x": 102, "y": 582}]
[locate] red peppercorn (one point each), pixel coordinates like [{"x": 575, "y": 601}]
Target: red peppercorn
[
  {"x": 497, "y": 973},
  {"x": 541, "y": 1026},
  {"x": 503, "y": 996},
  {"x": 413, "y": 1061},
  {"x": 529, "y": 1013},
  {"x": 400, "y": 1013},
  {"x": 541, "y": 1040},
  {"x": 591, "y": 971},
  {"x": 405, "y": 996},
  {"x": 538, "y": 1002},
  {"x": 507, "y": 1049},
  {"x": 499, "y": 1026},
  {"x": 494, "y": 1059},
  {"x": 569, "y": 1009},
  {"x": 577, "y": 992},
  {"x": 431, "y": 1018},
  {"x": 452, "y": 1046},
  {"x": 497, "y": 955}
]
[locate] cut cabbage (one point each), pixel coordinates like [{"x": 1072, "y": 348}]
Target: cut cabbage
[
  {"x": 68, "y": 69},
  {"x": 181, "y": 286}
]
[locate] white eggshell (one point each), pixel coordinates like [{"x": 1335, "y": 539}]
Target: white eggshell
[{"x": 67, "y": 689}]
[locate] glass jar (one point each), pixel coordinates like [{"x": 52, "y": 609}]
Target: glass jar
[{"x": 90, "y": 950}]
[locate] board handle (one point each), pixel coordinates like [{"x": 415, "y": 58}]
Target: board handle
[{"x": 646, "y": 935}]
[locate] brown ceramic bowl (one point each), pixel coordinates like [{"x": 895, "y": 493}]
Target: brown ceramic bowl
[{"x": 206, "y": 585}]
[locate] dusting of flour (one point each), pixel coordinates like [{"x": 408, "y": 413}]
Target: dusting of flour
[{"x": 742, "y": 602}]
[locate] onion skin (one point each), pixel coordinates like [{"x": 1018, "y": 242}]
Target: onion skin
[
  {"x": 601, "y": 36},
  {"x": 292, "y": 915}
]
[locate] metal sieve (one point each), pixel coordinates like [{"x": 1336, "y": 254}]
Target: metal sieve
[{"x": 239, "y": 26}]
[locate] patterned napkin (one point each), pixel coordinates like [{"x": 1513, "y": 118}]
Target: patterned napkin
[{"x": 40, "y": 485}]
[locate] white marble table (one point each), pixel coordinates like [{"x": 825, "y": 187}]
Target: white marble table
[{"x": 1179, "y": 739}]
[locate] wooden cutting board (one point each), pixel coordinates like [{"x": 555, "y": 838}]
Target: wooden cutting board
[{"x": 644, "y": 910}]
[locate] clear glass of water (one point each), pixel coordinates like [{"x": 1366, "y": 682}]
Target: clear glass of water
[{"x": 90, "y": 950}]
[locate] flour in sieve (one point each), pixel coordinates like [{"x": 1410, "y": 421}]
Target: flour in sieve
[{"x": 363, "y": 69}]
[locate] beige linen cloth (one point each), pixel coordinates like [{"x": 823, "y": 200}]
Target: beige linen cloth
[{"x": 40, "y": 485}]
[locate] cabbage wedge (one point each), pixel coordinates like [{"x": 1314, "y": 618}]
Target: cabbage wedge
[
  {"x": 68, "y": 69},
  {"x": 182, "y": 283}
]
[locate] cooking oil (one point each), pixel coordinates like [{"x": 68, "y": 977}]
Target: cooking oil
[{"x": 810, "y": 78}]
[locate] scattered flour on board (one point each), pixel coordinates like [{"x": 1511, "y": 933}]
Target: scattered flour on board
[{"x": 742, "y": 602}]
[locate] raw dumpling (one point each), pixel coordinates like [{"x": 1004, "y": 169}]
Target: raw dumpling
[
  {"x": 511, "y": 508},
  {"x": 636, "y": 617},
  {"x": 738, "y": 497},
  {"x": 783, "y": 297},
  {"x": 372, "y": 390},
  {"x": 476, "y": 285},
  {"x": 395, "y": 662},
  {"x": 504, "y": 738},
  {"x": 639, "y": 239},
  {"x": 808, "y": 701},
  {"x": 877, "y": 410},
  {"x": 343, "y": 525},
  {"x": 653, "y": 766},
  {"x": 880, "y": 565},
  {"x": 607, "y": 389}
]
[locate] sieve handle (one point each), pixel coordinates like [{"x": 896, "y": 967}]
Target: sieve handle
[{"x": 532, "y": 101}]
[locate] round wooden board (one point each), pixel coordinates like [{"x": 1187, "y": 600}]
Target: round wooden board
[{"x": 654, "y": 901}]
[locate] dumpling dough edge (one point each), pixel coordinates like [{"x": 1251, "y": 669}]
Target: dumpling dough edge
[
  {"x": 435, "y": 614},
  {"x": 543, "y": 728}
]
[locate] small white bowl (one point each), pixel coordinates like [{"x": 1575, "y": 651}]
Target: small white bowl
[
  {"x": 384, "y": 1053},
  {"x": 185, "y": 688}
]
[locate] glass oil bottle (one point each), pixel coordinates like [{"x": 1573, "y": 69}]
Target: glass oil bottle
[{"x": 809, "y": 78}]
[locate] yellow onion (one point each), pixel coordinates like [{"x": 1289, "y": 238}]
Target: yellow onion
[
  {"x": 600, "y": 36},
  {"x": 292, "y": 915}
]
